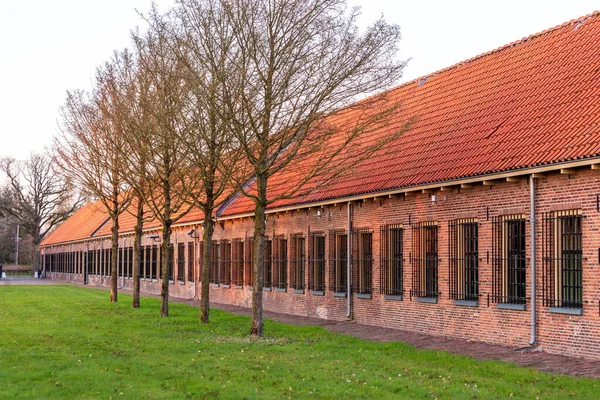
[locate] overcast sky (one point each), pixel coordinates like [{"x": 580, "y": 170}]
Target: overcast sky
[{"x": 48, "y": 47}]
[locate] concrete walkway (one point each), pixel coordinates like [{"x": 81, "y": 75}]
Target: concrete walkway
[
  {"x": 480, "y": 351},
  {"x": 28, "y": 281}
]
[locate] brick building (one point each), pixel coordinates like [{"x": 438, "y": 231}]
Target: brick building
[{"x": 480, "y": 222}]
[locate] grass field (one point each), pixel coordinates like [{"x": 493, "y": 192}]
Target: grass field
[{"x": 69, "y": 342}]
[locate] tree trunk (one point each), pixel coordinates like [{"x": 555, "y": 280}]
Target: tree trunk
[
  {"x": 206, "y": 255},
  {"x": 166, "y": 249},
  {"x": 259, "y": 257},
  {"x": 137, "y": 253},
  {"x": 36, "y": 259},
  {"x": 114, "y": 259}
]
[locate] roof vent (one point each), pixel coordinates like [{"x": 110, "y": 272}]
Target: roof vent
[
  {"x": 578, "y": 24},
  {"x": 422, "y": 82}
]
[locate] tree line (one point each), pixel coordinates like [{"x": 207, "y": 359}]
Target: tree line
[{"x": 215, "y": 97}]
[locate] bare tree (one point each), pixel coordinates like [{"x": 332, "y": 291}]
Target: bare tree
[
  {"x": 41, "y": 197},
  {"x": 202, "y": 39},
  {"x": 299, "y": 68},
  {"x": 163, "y": 161},
  {"x": 89, "y": 149}
]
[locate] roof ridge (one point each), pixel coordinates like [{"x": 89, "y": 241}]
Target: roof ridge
[{"x": 423, "y": 78}]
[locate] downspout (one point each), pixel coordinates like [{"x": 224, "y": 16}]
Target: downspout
[
  {"x": 533, "y": 261},
  {"x": 349, "y": 261}
]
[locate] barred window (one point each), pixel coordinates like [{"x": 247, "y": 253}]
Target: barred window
[
  {"x": 338, "y": 261},
  {"x": 201, "y": 261},
  {"x": 249, "y": 262},
  {"x": 509, "y": 263},
  {"x": 171, "y": 263},
  {"x": 191, "y": 261},
  {"x": 225, "y": 262},
  {"x": 297, "y": 262},
  {"x": 154, "y": 262},
  {"x": 214, "y": 263},
  {"x": 268, "y": 264},
  {"x": 316, "y": 262},
  {"x": 181, "y": 262},
  {"x": 237, "y": 262},
  {"x": 391, "y": 260},
  {"x": 562, "y": 259},
  {"x": 362, "y": 261},
  {"x": 280, "y": 262},
  {"x": 463, "y": 260},
  {"x": 129, "y": 262},
  {"x": 425, "y": 259}
]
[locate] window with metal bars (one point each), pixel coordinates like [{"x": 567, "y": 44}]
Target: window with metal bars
[
  {"x": 391, "y": 274},
  {"x": 225, "y": 262},
  {"x": 191, "y": 261},
  {"x": 562, "y": 259},
  {"x": 509, "y": 262},
  {"x": 214, "y": 277},
  {"x": 200, "y": 259},
  {"x": 268, "y": 264},
  {"x": 362, "y": 261},
  {"x": 425, "y": 260},
  {"x": 181, "y": 262},
  {"x": 154, "y": 262},
  {"x": 171, "y": 263},
  {"x": 130, "y": 262},
  {"x": 338, "y": 261},
  {"x": 316, "y": 262},
  {"x": 249, "y": 262},
  {"x": 463, "y": 259},
  {"x": 237, "y": 262},
  {"x": 280, "y": 262},
  {"x": 107, "y": 262},
  {"x": 297, "y": 262}
]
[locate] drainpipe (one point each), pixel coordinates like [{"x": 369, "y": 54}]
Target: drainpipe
[
  {"x": 348, "y": 258},
  {"x": 533, "y": 263}
]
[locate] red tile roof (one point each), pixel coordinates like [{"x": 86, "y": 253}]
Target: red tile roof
[
  {"x": 530, "y": 103},
  {"x": 81, "y": 225},
  {"x": 533, "y": 102}
]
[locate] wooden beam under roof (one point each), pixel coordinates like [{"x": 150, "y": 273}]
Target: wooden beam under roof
[
  {"x": 595, "y": 166},
  {"x": 567, "y": 171},
  {"x": 514, "y": 179}
]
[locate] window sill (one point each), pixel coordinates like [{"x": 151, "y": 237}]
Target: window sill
[
  {"x": 339, "y": 294},
  {"x": 466, "y": 303},
  {"x": 238, "y": 287},
  {"x": 298, "y": 291},
  {"x": 511, "y": 306},
  {"x": 281, "y": 290},
  {"x": 266, "y": 289},
  {"x": 154, "y": 280},
  {"x": 429, "y": 300},
  {"x": 226, "y": 286},
  {"x": 215, "y": 285},
  {"x": 171, "y": 281},
  {"x": 393, "y": 297},
  {"x": 364, "y": 296},
  {"x": 250, "y": 287},
  {"x": 192, "y": 283},
  {"x": 181, "y": 282},
  {"x": 567, "y": 311},
  {"x": 317, "y": 292}
]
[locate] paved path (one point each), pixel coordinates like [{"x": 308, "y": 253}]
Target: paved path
[
  {"x": 28, "y": 281},
  {"x": 480, "y": 351}
]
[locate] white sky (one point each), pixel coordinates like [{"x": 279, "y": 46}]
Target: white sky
[{"x": 47, "y": 47}]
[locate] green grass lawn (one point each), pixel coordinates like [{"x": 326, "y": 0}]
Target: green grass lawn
[{"x": 69, "y": 342}]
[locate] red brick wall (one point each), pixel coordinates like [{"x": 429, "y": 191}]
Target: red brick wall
[{"x": 570, "y": 335}]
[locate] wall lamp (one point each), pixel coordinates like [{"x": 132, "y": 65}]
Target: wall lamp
[
  {"x": 193, "y": 234},
  {"x": 155, "y": 238}
]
